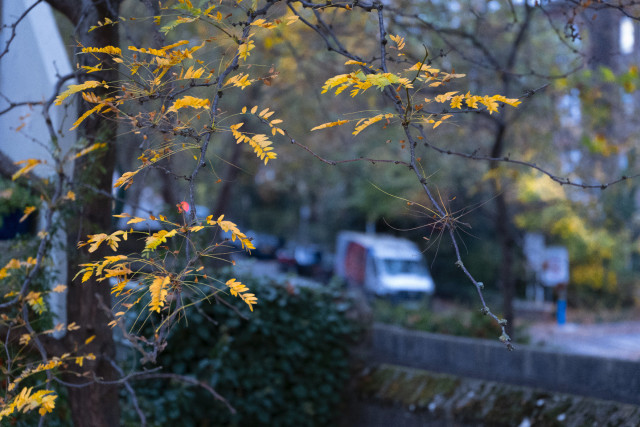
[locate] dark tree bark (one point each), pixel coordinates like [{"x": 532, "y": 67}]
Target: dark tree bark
[
  {"x": 93, "y": 405},
  {"x": 503, "y": 219},
  {"x": 504, "y": 234}
]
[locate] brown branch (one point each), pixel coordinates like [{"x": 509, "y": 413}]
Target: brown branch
[{"x": 132, "y": 393}]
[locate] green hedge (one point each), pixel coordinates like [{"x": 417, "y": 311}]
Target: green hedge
[{"x": 285, "y": 366}]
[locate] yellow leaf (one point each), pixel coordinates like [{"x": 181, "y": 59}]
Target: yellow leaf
[
  {"x": 189, "y": 101},
  {"x": 490, "y": 103},
  {"x": 126, "y": 178},
  {"x": 364, "y": 123},
  {"x": 193, "y": 74},
  {"x": 158, "y": 293},
  {"x": 87, "y": 275},
  {"x": 107, "y": 49},
  {"x": 245, "y": 48},
  {"x": 176, "y": 44},
  {"x": 151, "y": 51},
  {"x": 59, "y": 288},
  {"x": 135, "y": 220},
  {"x": 70, "y": 195},
  {"x": 153, "y": 241},
  {"x": 240, "y": 290},
  {"x": 330, "y": 124},
  {"x": 89, "y": 149},
  {"x": 30, "y": 164},
  {"x": 27, "y": 211},
  {"x": 118, "y": 287},
  {"x": 456, "y": 101},
  {"x": 509, "y": 101},
  {"x": 88, "y": 340},
  {"x": 399, "y": 41},
  {"x": 445, "y": 97},
  {"x": 25, "y": 339},
  {"x": 96, "y": 240},
  {"x": 239, "y": 80},
  {"x": 92, "y": 69},
  {"x": 77, "y": 88}
]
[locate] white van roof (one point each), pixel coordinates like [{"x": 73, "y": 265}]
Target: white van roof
[{"x": 383, "y": 246}]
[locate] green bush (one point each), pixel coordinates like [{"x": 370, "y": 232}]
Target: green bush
[
  {"x": 468, "y": 322},
  {"x": 284, "y": 366}
]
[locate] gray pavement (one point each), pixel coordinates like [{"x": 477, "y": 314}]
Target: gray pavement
[{"x": 617, "y": 340}]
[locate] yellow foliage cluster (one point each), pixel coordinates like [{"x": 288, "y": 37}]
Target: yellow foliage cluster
[
  {"x": 189, "y": 101},
  {"x": 90, "y": 84},
  {"x": 158, "y": 282},
  {"x": 265, "y": 115},
  {"x": 228, "y": 226},
  {"x": 158, "y": 291},
  {"x": 15, "y": 264},
  {"x": 239, "y": 80},
  {"x": 237, "y": 289},
  {"x": 26, "y": 401},
  {"x": 156, "y": 239},
  {"x": 594, "y": 276},
  {"x": 51, "y": 364},
  {"x": 95, "y": 240},
  {"x": 361, "y": 82},
  {"x": 259, "y": 142},
  {"x": 111, "y": 50}
]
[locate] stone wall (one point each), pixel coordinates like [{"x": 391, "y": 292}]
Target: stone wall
[{"x": 602, "y": 378}]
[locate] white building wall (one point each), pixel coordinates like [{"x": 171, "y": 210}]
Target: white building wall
[{"x": 30, "y": 72}]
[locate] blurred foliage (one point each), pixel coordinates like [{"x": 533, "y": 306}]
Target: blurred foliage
[
  {"x": 600, "y": 250},
  {"x": 459, "y": 321},
  {"x": 286, "y": 365},
  {"x": 14, "y": 198}
]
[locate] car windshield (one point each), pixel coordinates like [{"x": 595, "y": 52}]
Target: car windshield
[{"x": 403, "y": 266}]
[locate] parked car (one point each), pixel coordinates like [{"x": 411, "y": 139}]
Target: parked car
[{"x": 382, "y": 265}]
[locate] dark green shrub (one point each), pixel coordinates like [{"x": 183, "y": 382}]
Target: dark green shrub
[{"x": 284, "y": 366}]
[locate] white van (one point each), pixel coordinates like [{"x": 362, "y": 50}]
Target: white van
[{"x": 382, "y": 265}]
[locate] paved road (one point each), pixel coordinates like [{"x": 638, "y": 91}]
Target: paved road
[{"x": 618, "y": 340}]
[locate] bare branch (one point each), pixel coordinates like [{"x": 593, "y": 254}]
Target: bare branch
[
  {"x": 188, "y": 380},
  {"x": 14, "y": 26},
  {"x": 560, "y": 180}
]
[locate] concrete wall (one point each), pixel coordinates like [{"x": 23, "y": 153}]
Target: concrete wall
[{"x": 603, "y": 378}]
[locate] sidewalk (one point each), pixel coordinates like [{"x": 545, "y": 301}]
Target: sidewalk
[{"x": 617, "y": 340}]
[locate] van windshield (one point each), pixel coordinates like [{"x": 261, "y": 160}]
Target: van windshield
[{"x": 403, "y": 266}]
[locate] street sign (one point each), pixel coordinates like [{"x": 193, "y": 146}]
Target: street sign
[{"x": 555, "y": 266}]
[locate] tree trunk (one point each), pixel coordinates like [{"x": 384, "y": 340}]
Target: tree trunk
[
  {"x": 89, "y": 303},
  {"x": 504, "y": 235}
]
